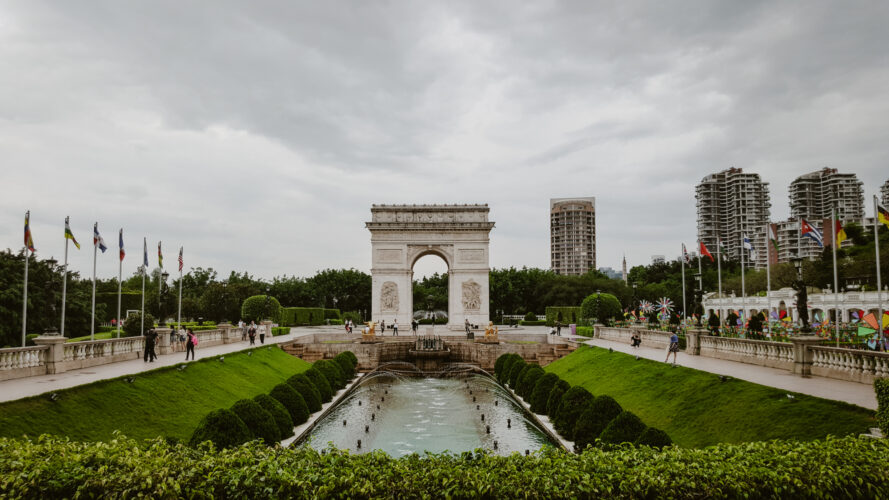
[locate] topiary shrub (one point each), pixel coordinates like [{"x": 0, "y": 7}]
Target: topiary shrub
[
  {"x": 260, "y": 307},
  {"x": 351, "y": 355},
  {"x": 223, "y": 428},
  {"x": 291, "y": 400},
  {"x": 260, "y": 422},
  {"x": 625, "y": 428},
  {"x": 307, "y": 390},
  {"x": 515, "y": 371},
  {"x": 132, "y": 326},
  {"x": 555, "y": 398},
  {"x": 345, "y": 364},
  {"x": 529, "y": 378},
  {"x": 655, "y": 438},
  {"x": 602, "y": 307},
  {"x": 511, "y": 358},
  {"x": 601, "y": 411},
  {"x": 332, "y": 373},
  {"x": 541, "y": 391},
  {"x": 518, "y": 380},
  {"x": 572, "y": 405},
  {"x": 320, "y": 382},
  {"x": 881, "y": 386},
  {"x": 278, "y": 412},
  {"x": 530, "y": 316},
  {"x": 498, "y": 365}
]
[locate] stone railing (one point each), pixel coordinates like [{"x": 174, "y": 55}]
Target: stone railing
[
  {"x": 650, "y": 338},
  {"x": 849, "y": 364},
  {"x": 755, "y": 352},
  {"x": 99, "y": 352},
  {"x": 22, "y": 362}
]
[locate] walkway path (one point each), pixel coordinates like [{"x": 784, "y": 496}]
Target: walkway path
[{"x": 839, "y": 390}]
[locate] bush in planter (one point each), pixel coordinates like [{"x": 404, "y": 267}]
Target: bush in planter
[
  {"x": 332, "y": 373},
  {"x": 555, "y": 397},
  {"x": 655, "y": 438},
  {"x": 541, "y": 391},
  {"x": 625, "y": 428},
  {"x": 345, "y": 364},
  {"x": 601, "y": 411},
  {"x": 278, "y": 412},
  {"x": 320, "y": 382},
  {"x": 307, "y": 390},
  {"x": 571, "y": 407},
  {"x": 260, "y": 422},
  {"x": 528, "y": 380},
  {"x": 514, "y": 371},
  {"x": 295, "y": 404},
  {"x": 257, "y": 308},
  {"x": 881, "y": 386},
  {"x": 223, "y": 428},
  {"x": 132, "y": 326}
]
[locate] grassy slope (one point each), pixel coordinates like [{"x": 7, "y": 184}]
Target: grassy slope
[
  {"x": 162, "y": 402},
  {"x": 696, "y": 409}
]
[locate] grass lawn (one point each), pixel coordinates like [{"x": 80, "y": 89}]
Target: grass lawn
[
  {"x": 696, "y": 409},
  {"x": 99, "y": 336},
  {"x": 522, "y": 342},
  {"x": 337, "y": 341},
  {"x": 162, "y": 402}
]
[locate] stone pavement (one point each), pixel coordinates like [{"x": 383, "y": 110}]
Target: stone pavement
[{"x": 839, "y": 390}]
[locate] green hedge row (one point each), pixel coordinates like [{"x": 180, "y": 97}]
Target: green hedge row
[
  {"x": 881, "y": 386},
  {"x": 577, "y": 415},
  {"x": 271, "y": 417},
  {"x": 569, "y": 315},
  {"x": 526, "y": 322},
  {"x": 54, "y": 467},
  {"x": 280, "y": 330},
  {"x": 302, "y": 316}
]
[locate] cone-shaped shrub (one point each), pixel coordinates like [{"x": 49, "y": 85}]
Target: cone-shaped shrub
[
  {"x": 625, "y": 428},
  {"x": 503, "y": 378},
  {"x": 223, "y": 428},
  {"x": 572, "y": 405},
  {"x": 291, "y": 400},
  {"x": 260, "y": 422},
  {"x": 345, "y": 364},
  {"x": 320, "y": 382},
  {"x": 498, "y": 365},
  {"x": 541, "y": 391},
  {"x": 515, "y": 371},
  {"x": 518, "y": 380},
  {"x": 602, "y": 410},
  {"x": 655, "y": 438},
  {"x": 307, "y": 390},
  {"x": 555, "y": 397},
  {"x": 352, "y": 357},
  {"x": 332, "y": 373},
  {"x": 529, "y": 378},
  {"x": 278, "y": 412}
]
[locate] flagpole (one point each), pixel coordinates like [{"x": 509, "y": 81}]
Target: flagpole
[
  {"x": 769, "y": 276},
  {"x": 119, "y": 284},
  {"x": 25, "y": 299},
  {"x": 95, "y": 249},
  {"x": 682, "y": 263},
  {"x": 144, "y": 265},
  {"x": 836, "y": 286},
  {"x": 700, "y": 283},
  {"x": 879, "y": 283},
  {"x": 719, "y": 275},
  {"x": 179, "y": 317},
  {"x": 64, "y": 283},
  {"x": 743, "y": 286},
  {"x": 799, "y": 255}
]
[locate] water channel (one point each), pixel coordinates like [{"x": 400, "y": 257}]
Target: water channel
[{"x": 402, "y": 413}]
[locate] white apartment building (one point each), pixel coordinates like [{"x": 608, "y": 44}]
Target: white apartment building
[
  {"x": 730, "y": 204},
  {"x": 572, "y": 235}
]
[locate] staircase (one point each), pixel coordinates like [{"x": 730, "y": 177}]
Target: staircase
[
  {"x": 299, "y": 350},
  {"x": 557, "y": 351}
]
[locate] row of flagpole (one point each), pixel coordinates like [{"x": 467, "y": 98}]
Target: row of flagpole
[{"x": 98, "y": 244}]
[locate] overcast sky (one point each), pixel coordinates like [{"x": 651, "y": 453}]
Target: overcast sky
[{"x": 258, "y": 134}]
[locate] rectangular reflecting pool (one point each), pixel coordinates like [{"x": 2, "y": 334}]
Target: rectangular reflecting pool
[{"x": 409, "y": 414}]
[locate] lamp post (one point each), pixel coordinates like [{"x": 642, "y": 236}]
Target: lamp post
[
  {"x": 634, "y": 301},
  {"x": 699, "y": 295},
  {"x": 598, "y": 305},
  {"x": 222, "y": 316},
  {"x": 161, "y": 289},
  {"x": 265, "y": 308},
  {"x": 802, "y": 297}
]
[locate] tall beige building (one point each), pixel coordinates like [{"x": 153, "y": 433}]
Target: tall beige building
[
  {"x": 572, "y": 231},
  {"x": 815, "y": 195},
  {"x": 884, "y": 194},
  {"x": 730, "y": 204}
]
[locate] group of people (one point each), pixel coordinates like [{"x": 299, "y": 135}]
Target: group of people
[
  {"x": 556, "y": 329},
  {"x": 349, "y": 326},
  {"x": 251, "y": 331},
  {"x": 185, "y": 337}
]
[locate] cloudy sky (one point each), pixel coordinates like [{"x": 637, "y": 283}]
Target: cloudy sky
[{"x": 258, "y": 134}]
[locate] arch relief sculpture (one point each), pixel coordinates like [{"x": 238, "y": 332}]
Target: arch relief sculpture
[
  {"x": 472, "y": 296},
  {"x": 389, "y": 296}
]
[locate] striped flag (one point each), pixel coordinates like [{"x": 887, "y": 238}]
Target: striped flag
[
  {"x": 145, "y": 253},
  {"x": 160, "y": 256},
  {"x": 180, "y": 258},
  {"x": 97, "y": 238},
  {"x": 840, "y": 234},
  {"x": 882, "y": 215},
  {"x": 806, "y": 229},
  {"x": 69, "y": 235},
  {"x": 122, "y": 253},
  {"x": 29, "y": 241}
]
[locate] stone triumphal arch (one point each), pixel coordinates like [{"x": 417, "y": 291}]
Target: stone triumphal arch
[{"x": 401, "y": 234}]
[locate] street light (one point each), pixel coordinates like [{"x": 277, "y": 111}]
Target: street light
[
  {"x": 160, "y": 293},
  {"x": 598, "y": 312},
  {"x": 265, "y": 309},
  {"x": 223, "y": 318},
  {"x": 699, "y": 295},
  {"x": 802, "y": 297}
]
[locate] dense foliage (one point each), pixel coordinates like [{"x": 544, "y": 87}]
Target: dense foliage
[
  {"x": 555, "y": 398},
  {"x": 600, "y": 412},
  {"x": 528, "y": 380},
  {"x": 332, "y": 373},
  {"x": 571, "y": 407},
  {"x": 346, "y": 365},
  {"x": 515, "y": 370},
  {"x": 278, "y": 412},
  {"x": 56, "y": 468},
  {"x": 293, "y": 401},
  {"x": 626, "y": 428},
  {"x": 261, "y": 423},
  {"x": 541, "y": 392},
  {"x": 320, "y": 382},
  {"x": 562, "y": 314},
  {"x": 506, "y": 362},
  {"x": 655, "y": 438},
  {"x": 223, "y": 428},
  {"x": 132, "y": 326},
  {"x": 261, "y": 307},
  {"x": 307, "y": 390},
  {"x": 881, "y": 386},
  {"x": 601, "y": 307}
]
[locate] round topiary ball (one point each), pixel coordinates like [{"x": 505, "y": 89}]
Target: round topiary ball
[
  {"x": 223, "y": 428},
  {"x": 278, "y": 412},
  {"x": 320, "y": 382},
  {"x": 541, "y": 391},
  {"x": 260, "y": 422},
  {"x": 261, "y": 307},
  {"x": 291, "y": 400},
  {"x": 555, "y": 398},
  {"x": 572, "y": 405},
  {"x": 603, "y": 307},
  {"x": 351, "y": 355},
  {"x": 602, "y": 410},
  {"x": 625, "y": 428},
  {"x": 527, "y": 381},
  {"x": 655, "y": 438},
  {"x": 307, "y": 390}
]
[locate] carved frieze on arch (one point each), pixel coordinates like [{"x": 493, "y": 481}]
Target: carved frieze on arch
[
  {"x": 472, "y": 295},
  {"x": 389, "y": 296}
]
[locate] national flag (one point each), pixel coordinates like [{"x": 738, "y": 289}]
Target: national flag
[
  {"x": 882, "y": 215},
  {"x": 685, "y": 256},
  {"x": 69, "y": 235},
  {"x": 145, "y": 253},
  {"x": 773, "y": 237},
  {"x": 840, "y": 233},
  {"x": 29, "y": 241},
  {"x": 97, "y": 238},
  {"x": 721, "y": 249},
  {"x": 160, "y": 256},
  {"x": 180, "y": 258},
  {"x": 809, "y": 231},
  {"x": 120, "y": 239},
  {"x": 748, "y": 245},
  {"x": 706, "y": 252}
]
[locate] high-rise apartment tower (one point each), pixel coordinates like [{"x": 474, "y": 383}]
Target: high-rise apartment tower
[
  {"x": 884, "y": 194},
  {"x": 572, "y": 232},
  {"x": 815, "y": 195}
]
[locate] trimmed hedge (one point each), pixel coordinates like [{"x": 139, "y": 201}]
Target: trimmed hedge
[
  {"x": 345, "y": 364},
  {"x": 655, "y": 438},
  {"x": 498, "y": 365},
  {"x": 601, "y": 411},
  {"x": 291, "y": 400},
  {"x": 541, "y": 392},
  {"x": 278, "y": 412},
  {"x": 625, "y": 428},
  {"x": 351, "y": 355},
  {"x": 260, "y": 422},
  {"x": 332, "y": 314},
  {"x": 571, "y": 407},
  {"x": 320, "y": 382},
  {"x": 260, "y": 307},
  {"x": 221, "y": 427},
  {"x": 515, "y": 371},
  {"x": 503, "y": 375},
  {"x": 54, "y": 467},
  {"x": 307, "y": 390},
  {"x": 555, "y": 398},
  {"x": 570, "y": 314},
  {"x": 301, "y": 316},
  {"x": 280, "y": 330},
  {"x": 608, "y": 303},
  {"x": 332, "y": 373},
  {"x": 528, "y": 380},
  {"x": 532, "y": 323},
  {"x": 881, "y": 386}
]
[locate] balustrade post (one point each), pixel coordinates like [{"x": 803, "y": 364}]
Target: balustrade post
[
  {"x": 225, "y": 330},
  {"x": 163, "y": 341},
  {"x": 803, "y": 354},
  {"x": 55, "y": 356},
  {"x": 693, "y": 341}
]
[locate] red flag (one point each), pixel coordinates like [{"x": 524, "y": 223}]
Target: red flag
[{"x": 706, "y": 252}]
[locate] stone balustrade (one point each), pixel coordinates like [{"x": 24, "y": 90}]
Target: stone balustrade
[
  {"x": 754, "y": 352},
  {"x": 848, "y": 364},
  {"x": 22, "y": 362},
  {"x": 650, "y": 338}
]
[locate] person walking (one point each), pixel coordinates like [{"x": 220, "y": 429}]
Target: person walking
[
  {"x": 382, "y": 327},
  {"x": 251, "y": 332},
  {"x": 262, "y": 333},
  {"x": 674, "y": 347},
  {"x": 559, "y": 328},
  {"x": 243, "y": 327},
  {"x": 150, "y": 339},
  {"x": 173, "y": 339},
  {"x": 635, "y": 340},
  {"x": 415, "y": 325},
  {"x": 189, "y": 345},
  {"x": 182, "y": 338},
  {"x": 395, "y": 328}
]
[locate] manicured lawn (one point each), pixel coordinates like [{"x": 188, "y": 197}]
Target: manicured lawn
[
  {"x": 99, "y": 336},
  {"x": 163, "y": 402},
  {"x": 697, "y": 409},
  {"x": 523, "y": 342}
]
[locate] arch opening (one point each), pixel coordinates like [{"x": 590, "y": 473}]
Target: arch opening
[{"x": 429, "y": 288}]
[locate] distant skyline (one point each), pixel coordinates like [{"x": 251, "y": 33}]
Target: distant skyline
[{"x": 257, "y": 135}]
